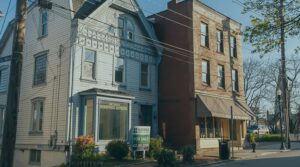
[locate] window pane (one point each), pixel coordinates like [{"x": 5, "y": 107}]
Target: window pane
[
  {"x": 146, "y": 115},
  {"x": 121, "y": 27},
  {"x": 89, "y": 64},
  {"x": 35, "y": 117},
  {"x": 89, "y": 115},
  {"x": 205, "y": 71},
  {"x": 41, "y": 112},
  {"x": 144, "y": 74},
  {"x": 202, "y": 128},
  {"x": 40, "y": 69},
  {"x": 113, "y": 120},
  {"x": 119, "y": 70}
]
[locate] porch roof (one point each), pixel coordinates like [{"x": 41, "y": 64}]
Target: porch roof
[
  {"x": 214, "y": 106},
  {"x": 107, "y": 93}
]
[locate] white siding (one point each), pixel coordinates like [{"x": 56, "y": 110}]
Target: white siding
[{"x": 56, "y": 100}]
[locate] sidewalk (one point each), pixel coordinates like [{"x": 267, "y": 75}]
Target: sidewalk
[{"x": 212, "y": 157}]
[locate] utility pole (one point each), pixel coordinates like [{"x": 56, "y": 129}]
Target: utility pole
[
  {"x": 10, "y": 126},
  {"x": 283, "y": 71}
]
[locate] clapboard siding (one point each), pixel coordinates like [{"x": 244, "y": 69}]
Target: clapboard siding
[
  {"x": 105, "y": 65},
  {"x": 55, "y": 109}
]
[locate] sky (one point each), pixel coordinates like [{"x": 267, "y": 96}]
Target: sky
[{"x": 229, "y": 8}]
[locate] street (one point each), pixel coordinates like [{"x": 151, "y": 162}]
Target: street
[{"x": 272, "y": 159}]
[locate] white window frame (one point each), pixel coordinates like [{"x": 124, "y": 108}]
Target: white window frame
[
  {"x": 34, "y": 69},
  {"x": 207, "y": 73},
  {"x": 37, "y": 101},
  {"x": 83, "y": 76},
  {"x": 220, "y": 41},
  {"x": 221, "y": 77},
  {"x": 148, "y": 75},
  {"x": 233, "y": 46},
  {"x": 124, "y": 71},
  {"x": 235, "y": 80},
  {"x": 99, "y": 99},
  {"x": 42, "y": 23},
  {"x": 204, "y": 34}
]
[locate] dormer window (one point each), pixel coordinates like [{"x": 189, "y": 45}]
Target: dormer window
[{"x": 126, "y": 29}]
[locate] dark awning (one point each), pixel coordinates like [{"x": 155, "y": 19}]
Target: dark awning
[
  {"x": 213, "y": 106},
  {"x": 106, "y": 93}
]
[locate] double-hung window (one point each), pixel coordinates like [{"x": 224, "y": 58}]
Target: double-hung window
[
  {"x": 43, "y": 22},
  {"x": 233, "y": 51},
  {"x": 120, "y": 70},
  {"x": 205, "y": 72},
  {"x": 89, "y": 64},
  {"x": 220, "y": 47},
  {"x": 221, "y": 76},
  {"x": 235, "y": 81},
  {"x": 3, "y": 79},
  {"x": 40, "y": 69},
  {"x": 126, "y": 29},
  {"x": 204, "y": 35},
  {"x": 121, "y": 27},
  {"x": 37, "y": 115},
  {"x": 144, "y": 75},
  {"x": 130, "y": 30}
]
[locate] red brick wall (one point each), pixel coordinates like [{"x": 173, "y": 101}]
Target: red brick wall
[{"x": 176, "y": 80}]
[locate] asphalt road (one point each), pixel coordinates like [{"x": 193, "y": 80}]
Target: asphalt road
[{"x": 282, "y": 159}]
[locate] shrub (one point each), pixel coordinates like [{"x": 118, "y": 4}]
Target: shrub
[
  {"x": 155, "y": 147},
  {"x": 188, "y": 153},
  {"x": 270, "y": 138},
  {"x": 166, "y": 158},
  {"x": 117, "y": 149},
  {"x": 84, "y": 147}
]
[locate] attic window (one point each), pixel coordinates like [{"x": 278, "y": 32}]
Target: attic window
[{"x": 126, "y": 29}]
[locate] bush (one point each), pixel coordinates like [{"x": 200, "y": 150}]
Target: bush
[
  {"x": 269, "y": 138},
  {"x": 84, "y": 147},
  {"x": 155, "y": 147},
  {"x": 117, "y": 149},
  {"x": 188, "y": 153},
  {"x": 166, "y": 158}
]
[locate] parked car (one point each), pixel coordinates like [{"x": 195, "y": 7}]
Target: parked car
[{"x": 258, "y": 130}]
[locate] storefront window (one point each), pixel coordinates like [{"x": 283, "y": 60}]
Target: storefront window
[
  {"x": 210, "y": 127},
  {"x": 218, "y": 128},
  {"x": 114, "y": 120}
]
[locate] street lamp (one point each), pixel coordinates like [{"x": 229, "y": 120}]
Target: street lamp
[{"x": 282, "y": 147}]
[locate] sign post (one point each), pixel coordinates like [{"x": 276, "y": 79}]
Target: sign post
[{"x": 140, "y": 139}]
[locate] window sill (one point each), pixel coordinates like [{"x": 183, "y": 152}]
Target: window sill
[
  {"x": 42, "y": 36},
  {"x": 221, "y": 88},
  {"x": 121, "y": 85},
  {"x": 88, "y": 80},
  {"x": 35, "y": 163},
  {"x": 205, "y": 47},
  {"x": 205, "y": 84},
  {"x": 220, "y": 53},
  {"x": 35, "y": 133},
  {"x": 39, "y": 85},
  {"x": 145, "y": 89}
]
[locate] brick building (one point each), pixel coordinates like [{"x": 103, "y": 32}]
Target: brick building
[{"x": 200, "y": 76}]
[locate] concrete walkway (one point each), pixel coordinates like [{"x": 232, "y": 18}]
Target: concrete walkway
[{"x": 212, "y": 157}]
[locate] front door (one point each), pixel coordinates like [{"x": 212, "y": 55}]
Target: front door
[{"x": 146, "y": 115}]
